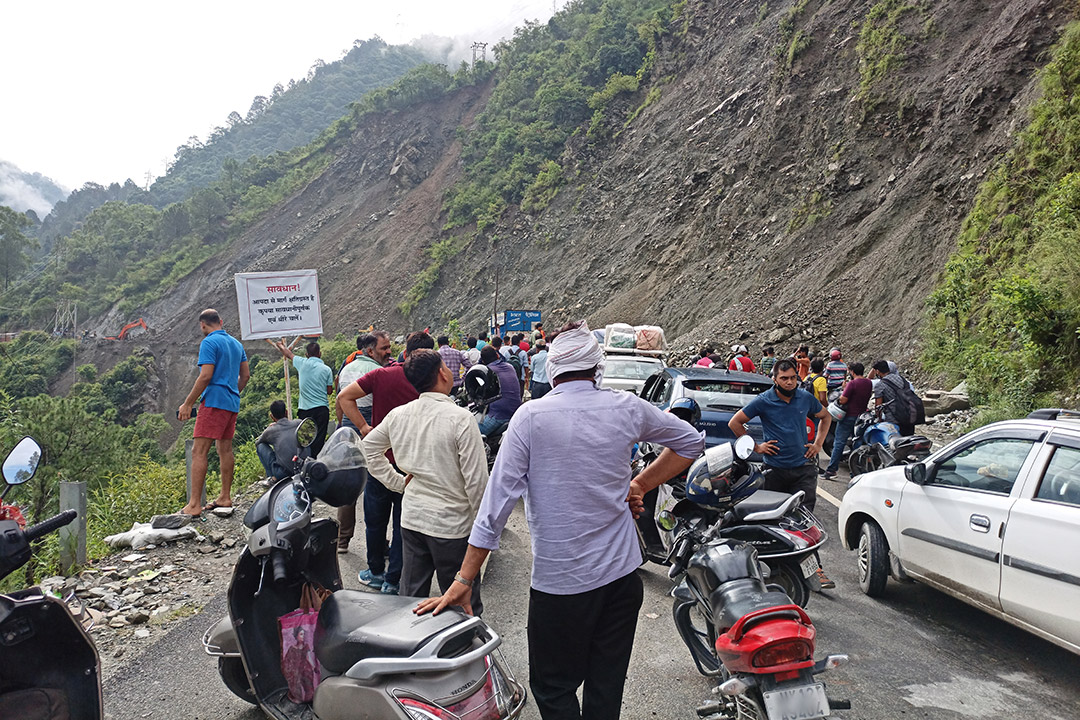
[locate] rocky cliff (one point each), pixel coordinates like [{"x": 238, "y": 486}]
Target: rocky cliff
[{"x": 792, "y": 171}]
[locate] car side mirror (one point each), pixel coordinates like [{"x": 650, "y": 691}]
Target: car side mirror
[
  {"x": 22, "y": 462},
  {"x": 916, "y": 473}
]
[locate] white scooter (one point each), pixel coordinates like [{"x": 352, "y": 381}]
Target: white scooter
[{"x": 379, "y": 660}]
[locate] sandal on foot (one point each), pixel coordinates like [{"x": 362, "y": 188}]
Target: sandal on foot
[{"x": 219, "y": 510}]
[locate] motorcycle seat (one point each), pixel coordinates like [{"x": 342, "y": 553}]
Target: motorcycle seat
[
  {"x": 760, "y": 501},
  {"x": 354, "y": 625},
  {"x": 742, "y": 597}
]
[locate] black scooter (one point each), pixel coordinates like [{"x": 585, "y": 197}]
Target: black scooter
[
  {"x": 49, "y": 666},
  {"x": 785, "y": 535}
]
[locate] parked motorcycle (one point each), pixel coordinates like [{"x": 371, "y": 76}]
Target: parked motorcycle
[
  {"x": 877, "y": 443},
  {"x": 374, "y": 652},
  {"x": 749, "y": 635},
  {"x": 480, "y": 388},
  {"x": 49, "y": 667},
  {"x": 785, "y": 534}
]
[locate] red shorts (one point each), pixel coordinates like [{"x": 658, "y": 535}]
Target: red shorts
[{"x": 214, "y": 423}]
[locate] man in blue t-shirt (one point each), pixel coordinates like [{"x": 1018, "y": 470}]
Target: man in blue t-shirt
[
  {"x": 223, "y": 373},
  {"x": 790, "y": 461}
]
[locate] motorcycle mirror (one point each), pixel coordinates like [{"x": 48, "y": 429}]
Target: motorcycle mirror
[
  {"x": 916, "y": 473},
  {"x": 22, "y": 462},
  {"x": 666, "y": 520},
  {"x": 305, "y": 433},
  {"x": 744, "y": 447}
]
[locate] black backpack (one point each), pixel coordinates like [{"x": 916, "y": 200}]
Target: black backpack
[{"x": 908, "y": 404}]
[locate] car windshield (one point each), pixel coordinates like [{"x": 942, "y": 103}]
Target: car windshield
[
  {"x": 630, "y": 368},
  {"x": 719, "y": 394}
]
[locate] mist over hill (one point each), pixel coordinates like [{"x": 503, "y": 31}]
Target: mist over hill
[{"x": 22, "y": 191}]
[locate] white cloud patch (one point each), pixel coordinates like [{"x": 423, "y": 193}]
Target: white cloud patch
[{"x": 22, "y": 191}]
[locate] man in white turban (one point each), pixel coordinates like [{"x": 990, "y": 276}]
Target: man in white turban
[{"x": 569, "y": 455}]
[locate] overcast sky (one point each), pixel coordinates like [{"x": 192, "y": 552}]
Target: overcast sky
[{"x": 103, "y": 91}]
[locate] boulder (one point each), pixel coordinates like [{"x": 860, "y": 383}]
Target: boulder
[{"x": 940, "y": 403}]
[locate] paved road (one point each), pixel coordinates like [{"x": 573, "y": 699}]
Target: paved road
[{"x": 915, "y": 654}]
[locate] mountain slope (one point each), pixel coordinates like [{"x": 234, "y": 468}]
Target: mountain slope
[{"x": 783, "y": 174}]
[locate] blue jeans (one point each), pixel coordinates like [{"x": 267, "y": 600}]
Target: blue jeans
[
  {"x": 844, "y": 428},
  {"x": 490, "y": 425},
  {"x": 380, "y": 507},
  {"x": 269, "y": 462}
]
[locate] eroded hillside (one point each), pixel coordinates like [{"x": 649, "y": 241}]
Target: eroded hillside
[{"x": 793, "y": 171}]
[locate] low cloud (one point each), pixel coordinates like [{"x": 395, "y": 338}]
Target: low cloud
[{"x": 24, "y": 191}]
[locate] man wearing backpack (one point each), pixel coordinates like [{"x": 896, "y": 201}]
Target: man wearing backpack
[
  {"x": 894, "y": 398},
  {"x": 815, "y": 382}
]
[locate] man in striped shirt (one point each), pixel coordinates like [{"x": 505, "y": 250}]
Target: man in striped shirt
[{"x": 454, "y": 360}]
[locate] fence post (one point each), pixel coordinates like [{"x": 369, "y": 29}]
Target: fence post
[
  {"x": 189, "y": 446},
  {"x": 73, "y": 535}
]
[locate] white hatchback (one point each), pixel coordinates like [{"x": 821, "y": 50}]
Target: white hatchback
[{"x": 992, "y": 519}]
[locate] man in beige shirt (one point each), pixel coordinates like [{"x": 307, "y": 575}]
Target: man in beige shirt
[{"x": 439, "y": 447}]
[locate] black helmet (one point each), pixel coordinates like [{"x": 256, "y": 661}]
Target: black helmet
[
  {"x": 687, "y": 409},
  {"x": 482, "y": 385}
]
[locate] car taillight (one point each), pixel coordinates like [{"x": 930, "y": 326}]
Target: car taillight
[{"x": 782, "y": 653}]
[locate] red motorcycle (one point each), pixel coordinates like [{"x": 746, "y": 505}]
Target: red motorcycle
[{"x": 746, "y": 633}]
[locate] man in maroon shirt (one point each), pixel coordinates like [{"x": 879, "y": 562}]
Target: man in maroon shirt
[
  {"x": 388, "y": 388},
  {"x": 854, "y": 400}
]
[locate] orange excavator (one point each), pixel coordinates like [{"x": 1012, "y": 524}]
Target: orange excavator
[{"x": 128, "y": 328}]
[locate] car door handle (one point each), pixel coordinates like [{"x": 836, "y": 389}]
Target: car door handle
[{"x": 979, "y": 523}]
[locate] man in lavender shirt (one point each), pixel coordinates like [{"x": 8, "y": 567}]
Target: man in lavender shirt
[{"x": 568, "y": 453}]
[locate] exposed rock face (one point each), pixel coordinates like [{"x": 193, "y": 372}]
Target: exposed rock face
[{"x": 754, "y": 200}]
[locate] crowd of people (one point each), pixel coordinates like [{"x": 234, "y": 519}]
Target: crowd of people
[{"x": 432, "y": 512}]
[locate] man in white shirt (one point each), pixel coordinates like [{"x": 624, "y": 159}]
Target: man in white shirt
[{"x": 438, "y": 445}]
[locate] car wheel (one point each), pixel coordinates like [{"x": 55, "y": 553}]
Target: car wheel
[
  {"x": 873, "y": 555},
  {"x": 789, "y": 578}
]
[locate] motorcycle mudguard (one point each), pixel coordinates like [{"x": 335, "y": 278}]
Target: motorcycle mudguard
[
  {"x": 43, "y": 646},
  {"x": 255, "y": 616}
]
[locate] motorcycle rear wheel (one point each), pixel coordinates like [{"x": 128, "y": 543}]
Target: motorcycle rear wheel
[
  {"x": 700, "y": 638},
  {"x": 790, "y": 579},
  {"x": 235, "y": 678},
  {"x": 863, "y": 460}
]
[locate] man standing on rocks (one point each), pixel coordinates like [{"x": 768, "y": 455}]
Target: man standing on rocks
[
  {"x": 569, "y": 455},
  {"x": 223, "y": 373},
  {"x": 316, "y": 386}
]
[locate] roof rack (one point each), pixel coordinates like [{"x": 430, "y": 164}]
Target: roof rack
[
  {"x": 1054, "y": 414},
  {"x": 634, "y": 351}
]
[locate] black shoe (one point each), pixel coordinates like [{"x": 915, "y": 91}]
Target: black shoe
[{"x": 829, "y": 474}]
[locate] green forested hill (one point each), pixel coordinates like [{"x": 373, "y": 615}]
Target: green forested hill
[{"x": 290, "y": 117}]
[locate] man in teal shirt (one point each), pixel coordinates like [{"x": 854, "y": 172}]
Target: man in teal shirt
[{"x": 316, "y": 387}]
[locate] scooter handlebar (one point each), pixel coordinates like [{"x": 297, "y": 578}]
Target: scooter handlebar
[
  {"x": 277, "y": 559},
  {"x": 45, "y": 527}
]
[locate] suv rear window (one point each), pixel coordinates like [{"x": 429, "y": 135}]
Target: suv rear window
[
  {"x": 720, "y": 394},
  {"x": 630, "y": 369}
]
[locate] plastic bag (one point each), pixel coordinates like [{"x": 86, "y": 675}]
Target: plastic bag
[
  {"x": 620, "y": 335},
  {"x": 298, "y": 662}
]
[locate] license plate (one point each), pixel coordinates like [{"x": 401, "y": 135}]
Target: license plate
[
  {"x": 797, "y": 703},
  {"x": 809, "y": 566}
]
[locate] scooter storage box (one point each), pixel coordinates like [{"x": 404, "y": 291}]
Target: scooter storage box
[{"x": 354, "y": 625}]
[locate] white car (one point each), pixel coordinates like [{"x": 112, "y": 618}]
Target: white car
[
  {"x": 992, "y": 519},
  {"x": 629, "y": 372}
]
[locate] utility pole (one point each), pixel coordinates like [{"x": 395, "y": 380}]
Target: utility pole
[{"x": 149, "y": 177}]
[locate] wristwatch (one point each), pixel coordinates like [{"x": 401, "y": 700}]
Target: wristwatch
[{"x": 458, "y": 577}]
